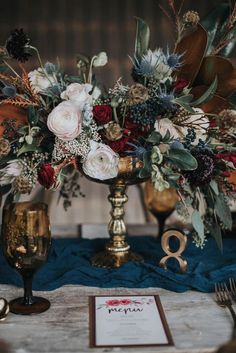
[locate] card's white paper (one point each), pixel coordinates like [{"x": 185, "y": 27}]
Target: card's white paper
[{"x": 128, "y": 320}]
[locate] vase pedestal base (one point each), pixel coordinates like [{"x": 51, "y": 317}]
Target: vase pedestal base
[{"x": 108, "y": 259}]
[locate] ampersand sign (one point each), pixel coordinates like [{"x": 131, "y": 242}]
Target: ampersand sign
[{"x": 177, "y": 254}]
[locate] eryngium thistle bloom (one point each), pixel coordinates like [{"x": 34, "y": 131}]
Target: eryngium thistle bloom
[
  {"x": 205, "y": 170},
  {"x": 16, "y": 45}
]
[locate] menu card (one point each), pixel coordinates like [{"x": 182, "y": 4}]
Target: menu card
[{"x": 128, "y": 321}]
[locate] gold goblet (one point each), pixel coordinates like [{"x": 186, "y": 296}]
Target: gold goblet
[
  {"x": 26, "y": 242},
  {"x": 160, "y": 203}
]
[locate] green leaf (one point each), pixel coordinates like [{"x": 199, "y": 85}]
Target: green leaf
[
  {"x": 167, "y": 136},
  {"x": 215, "y": 232},
  {"x": 182, "y": 159},
  {"x": 198, "y": 224},
  {"x": 147, "y": 165},
  {"x": 223, "y": 211},
  {"x": 154, "y": 138},
  {"x": 5, "y": 189},
  {"x": 28, "y": 148},
  {"x": 142, "y": 37},
  {"x": 9, "y": 199},
  {"x": 206, "y": 95},
  {"x": 32, "y": 116},
  {"x": 184, "y": 102},
  {"x": 214, "y": 187}
]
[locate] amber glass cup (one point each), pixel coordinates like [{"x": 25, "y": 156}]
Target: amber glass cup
[
  {"x": 26, "y": 241},
  {"x": 160, "y": 203}
]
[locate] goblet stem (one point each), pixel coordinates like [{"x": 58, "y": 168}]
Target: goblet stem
[{"x": 28, "y": 295}]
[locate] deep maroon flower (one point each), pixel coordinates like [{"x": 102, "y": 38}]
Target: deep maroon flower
[
  {"x": 228, "y": 156},
  {"x": 119, "y": 146},
  {"x": 206, "y": 168},
  {"x": 102, "y": 113},
  {"x": 46, "y": 175},
  {"x": 180, "y": 84},
  {"x": 16, "y": 45}
]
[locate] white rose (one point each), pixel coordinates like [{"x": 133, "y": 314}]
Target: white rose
[
  {"x": 78, "y": 93},
  {"x": 100, "y": 59},
  {"x": 101, "y": 162},
  {"x": 65, "y": 121},
  {"x": 39, "y": 81},
  {"x": 12, "y": 170}
]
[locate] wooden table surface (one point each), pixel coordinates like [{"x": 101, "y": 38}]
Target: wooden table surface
[{"x": 197, "y": 324}]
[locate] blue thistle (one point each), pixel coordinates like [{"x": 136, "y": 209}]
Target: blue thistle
[
  {"x": 174, "y": 60},
  {"x": 138, "y": 150},
  {"x": 166, "y": 99}
]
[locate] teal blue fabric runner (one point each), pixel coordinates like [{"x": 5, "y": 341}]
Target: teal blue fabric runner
[{"x": 69, "y": 263}]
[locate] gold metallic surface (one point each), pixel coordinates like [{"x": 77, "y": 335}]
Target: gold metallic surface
[
  {"x": 26, "y": 234},
  {"x": 117, "y": 250},
  {"x": 174, "y": 254},
  {"x": 159, "y": 201}
]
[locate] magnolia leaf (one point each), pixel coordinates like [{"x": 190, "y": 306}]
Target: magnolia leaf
[
  {"x": 207, "y": 95},
  {"x": 142, "y": 37},
  {"x": 223, "y": 211},
  {"x": 182, "y": 159},
  {"x": 215, "y": 232},
  {"x": 192, "y": 46},
  {"x": 213, "y": 66},
  {"x": 154, "y": 138},
  {"x": 215, "y": 105},
  {"x": 198, "y": 224}
]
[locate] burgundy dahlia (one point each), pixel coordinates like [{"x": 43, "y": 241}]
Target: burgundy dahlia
[{"x": 205, "y": 170}]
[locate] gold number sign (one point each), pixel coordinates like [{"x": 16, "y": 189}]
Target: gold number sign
[{"x": 165, "y": 244}]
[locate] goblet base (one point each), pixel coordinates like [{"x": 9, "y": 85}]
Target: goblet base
[
  {"x": 39, "y": 305},
  {"x": 108, "y": 259}
]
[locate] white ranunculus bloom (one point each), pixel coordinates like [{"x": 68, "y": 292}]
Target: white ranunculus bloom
[
  {"x": 39, "y": 81},
  {"x": 65, "y": 121},
  {"x": 100, "y": 59},
  {"x": 197, "y": 121},
  {"x": 101, "y": 162},
  {"x": 78, "y": 93},
  {"x": 10, "y": 172},
  {"x": 162, "y": 125}
]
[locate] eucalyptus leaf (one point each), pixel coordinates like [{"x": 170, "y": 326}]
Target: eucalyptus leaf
[
  {"x": 214, "y": 187},
  {"x": 147, "y": 165},
  {"x": 183, "y": 103},
  {"x": 223, "y": 211},
  {"x": 206, "y": 95},
  {"x": 154, "y": 138},
  {"x": 28, "y": 148},
  {"x": 182, "y": 159},
  {"x": 215, "y": 232},
  {"x": 142, "y": 37},
  {"x": 198, "y": 224}
]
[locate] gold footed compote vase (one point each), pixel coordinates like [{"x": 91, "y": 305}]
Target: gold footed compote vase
[{"x": 117, "y": 251}]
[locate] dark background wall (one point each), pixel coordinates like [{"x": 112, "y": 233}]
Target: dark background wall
[{"x": 65, "y": 27}]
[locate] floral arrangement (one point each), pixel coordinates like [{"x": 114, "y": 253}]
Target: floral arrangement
[{"x": 177, "y": 118}]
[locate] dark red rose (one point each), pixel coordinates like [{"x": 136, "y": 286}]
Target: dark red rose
[
  {"x": 119, "y": 146},
  {"x": 102, "y": 113},
  {"x": 180, "y": 84},
  {"x": 113, "y": 302},
  {"x": 46, "y": 175},
  {"x": 136, "y": 130},
  {"x": 228, "y": 156}
]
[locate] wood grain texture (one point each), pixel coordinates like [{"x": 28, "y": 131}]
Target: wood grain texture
[{"x": 197, "y": 324}]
